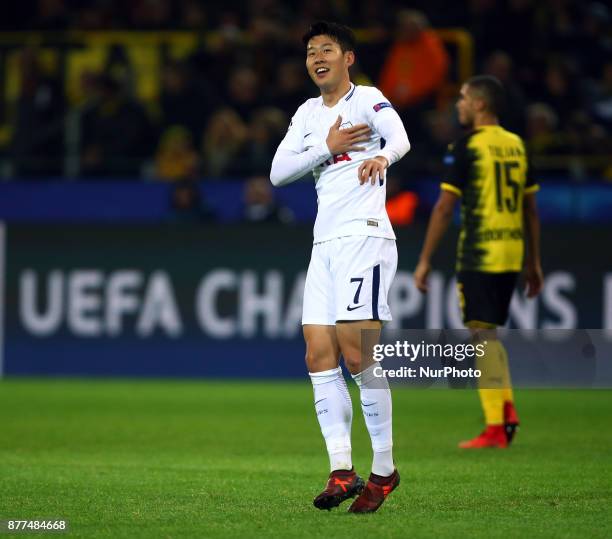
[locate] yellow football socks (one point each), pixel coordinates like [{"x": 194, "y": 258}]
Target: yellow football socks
[{"x": 494, "y": 384}]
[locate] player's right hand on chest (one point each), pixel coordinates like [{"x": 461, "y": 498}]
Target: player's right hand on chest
[{"x": 347, "y": 140}]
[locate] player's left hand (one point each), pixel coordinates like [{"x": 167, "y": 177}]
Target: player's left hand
[{"x": 372, "y": 170}]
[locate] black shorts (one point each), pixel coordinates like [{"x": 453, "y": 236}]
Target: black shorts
[{"x": 485, "y": 297}]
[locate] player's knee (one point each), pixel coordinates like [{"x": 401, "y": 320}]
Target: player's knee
[
  {"x": 351, "y": 352},
  {"x": 318, "y": 359},
  {"x": 310, "y": 358},
  {"x": 352, "y": 361}
]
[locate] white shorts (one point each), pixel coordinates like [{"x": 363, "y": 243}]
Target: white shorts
[{"x": 349, "y": 279}]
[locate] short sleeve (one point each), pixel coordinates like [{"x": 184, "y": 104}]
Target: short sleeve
[
  {"x": 455, "y": 168},
  {"x": 294, "y": 138}
]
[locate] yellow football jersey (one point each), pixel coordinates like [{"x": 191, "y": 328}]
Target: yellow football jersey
[{"x": 489, "y": 169}]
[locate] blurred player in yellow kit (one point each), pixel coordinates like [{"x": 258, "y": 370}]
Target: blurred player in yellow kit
[{"x": 488, "y": 170}]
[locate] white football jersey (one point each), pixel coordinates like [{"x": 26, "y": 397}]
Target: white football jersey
[{"x": 345, "y": 207}]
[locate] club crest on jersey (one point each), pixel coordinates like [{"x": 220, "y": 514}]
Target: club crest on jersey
[
  {"x": 383, "y": 105},
  {"x": 346, "y": 125}
]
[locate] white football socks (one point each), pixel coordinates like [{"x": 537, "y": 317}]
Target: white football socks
[
  {"x": 335, "y": 413},
  {"x": 377, "y": 411}
]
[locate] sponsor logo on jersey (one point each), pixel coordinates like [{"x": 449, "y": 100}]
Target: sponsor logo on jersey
[
  {"x": 371, "y": 222},
  {"x": 335, "y": 159}
]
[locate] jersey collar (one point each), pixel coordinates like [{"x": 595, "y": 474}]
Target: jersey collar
[
  {"x": 350, "y": 93},
  {"x": 345, "y": 97}
]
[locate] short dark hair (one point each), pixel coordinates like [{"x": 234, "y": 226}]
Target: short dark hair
[
  {"x": 491, "y": 90},
  {"x": 341, "y": 34}
]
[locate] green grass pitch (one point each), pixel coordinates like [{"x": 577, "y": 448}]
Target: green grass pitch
[{"x": 216, "y": 459}]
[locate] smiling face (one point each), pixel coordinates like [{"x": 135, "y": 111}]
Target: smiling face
[{"x": 327, "y": 65}]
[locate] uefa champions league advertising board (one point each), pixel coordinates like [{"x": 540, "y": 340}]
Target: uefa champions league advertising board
[{"x": 226, "y": 301}]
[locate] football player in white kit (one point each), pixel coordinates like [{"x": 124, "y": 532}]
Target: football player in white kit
[{"x": 347, "y": 137}]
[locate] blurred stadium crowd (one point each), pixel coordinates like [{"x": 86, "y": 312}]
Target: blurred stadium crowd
[{"x": 182, "y": 89}]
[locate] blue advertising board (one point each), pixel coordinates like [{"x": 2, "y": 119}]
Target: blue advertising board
[{"x": 179, "y": 300}]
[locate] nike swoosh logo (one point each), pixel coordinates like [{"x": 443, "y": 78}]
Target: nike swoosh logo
[
  {"x": 320, "y": 400},
  {"x": 349, "y": 308},
  {"x": 368, "y": 404},
  {"x": 307, "y": 134}
]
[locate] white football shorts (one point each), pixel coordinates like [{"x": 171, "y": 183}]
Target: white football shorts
[{"x": 349, "y": 279}]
